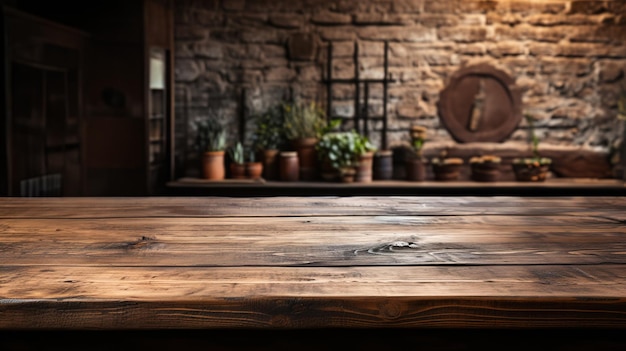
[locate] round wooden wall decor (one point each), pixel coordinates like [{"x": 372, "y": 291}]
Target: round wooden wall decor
[{"x": 480, "y": 103}]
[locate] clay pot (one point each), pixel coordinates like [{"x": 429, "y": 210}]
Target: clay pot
[
  {"x": 347, "y": 175},
  {"x": 415, "y": 169},
  {"x": 237, "y": 170},
  {"x": 364, "y": 168},
  {"x": 271, "y": 163},
  {"x": 254, "y": 170},
  {"x": 447, "y": 169},
  {"x": 289, "y": 167},
  {"x": 485, "y": 168},
  {"x": 213, "y": 165},
  {"x": 383, "y": 165},
  {"x": 307, "y": 156},
  {"x": 328, "y": 172},
  {"x": 531, "y": 171},
  {"x": 484, "y": 173}
]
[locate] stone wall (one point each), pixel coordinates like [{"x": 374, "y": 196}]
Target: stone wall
[{"x": 568, "y": 56}]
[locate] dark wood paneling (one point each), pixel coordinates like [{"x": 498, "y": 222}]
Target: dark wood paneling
[
  {"x": 45, "y": 99},
  {"x": 158, "y": 20},
  {"x": 114, "y": 142},
  {"x": 115, "y": 81}
]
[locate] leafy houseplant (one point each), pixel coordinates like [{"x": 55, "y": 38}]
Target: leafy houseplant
[
  {"x": 415, "y": 163},
  {"x": 211, "y": 143},
  {"x": 341, "y": 150},
  {"x": 270, "y": 138},
  {"x": 536, "y": 167},
  {"x": 303, "y": 120},
  {"x": 304, "y": 125},
  {"x": 210, "y": 136},
  {"x": 237, "y": 165},
  {"x": 418, "y": 138},
  {"x": 270, "y": 129},
  {"x": 365, "y": 159}
]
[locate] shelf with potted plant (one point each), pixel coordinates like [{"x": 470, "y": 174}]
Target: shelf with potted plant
[
  {"x": 211, "y": 143},
  {"x": 365, "y": 159},
  {"x": 535, "y": 168},
  {"x": 269, "y": 139},
  {"x": 237, "y": 161},
  {"x": 304, "y": 123},
  {"x": 485, "y": 168},
  {"x": 254, "y": 167},
  {"x": 446, "y": 168},
  {"x": 415, "y": 163},
  {"x": 342, "y": 150}
]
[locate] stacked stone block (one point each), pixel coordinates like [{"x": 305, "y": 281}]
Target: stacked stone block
[{"x": 569, "y": 57}]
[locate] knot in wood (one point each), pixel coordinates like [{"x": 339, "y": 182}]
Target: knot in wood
[
  {"x": 280, "y": 321},
  {"x": 390, "y": 310}
]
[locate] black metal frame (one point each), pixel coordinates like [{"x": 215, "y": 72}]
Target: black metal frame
[{"x": 361, "y": 113}]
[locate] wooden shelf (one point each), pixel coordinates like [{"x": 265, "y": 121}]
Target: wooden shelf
[{"x": 551, "y": 187}]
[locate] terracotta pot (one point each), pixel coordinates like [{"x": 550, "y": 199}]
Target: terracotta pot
[
  {"x": 348, "y": 175},
  {"x": 289, "y": 167},
  {"x": 271, "y": 163},
  {"x": 254, "y": 170},
  {"x": 448, "y": 169},
  {"x": 213, "y": 165},
  {"x": 238, "y": 170},
  {"x": 485, "y": 172},
  {"x": 328, "y": 172},
  {"x": 383, "y": 165},
  {"x": 415, "y": 169},
  {"x": 307, "y": 156},
  {"x": 530, "y": 172},
  {"x": 364, "y": 168}
]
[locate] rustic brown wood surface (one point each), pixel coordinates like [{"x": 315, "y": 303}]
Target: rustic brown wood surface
[{"x": 312, "y": 262}]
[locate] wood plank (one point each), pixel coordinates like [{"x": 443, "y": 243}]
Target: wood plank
[
  {"x": 359, "y": 297},
  {"x": 322, "y": 262},
  {"x": 136, "y": 207},
  {"x": 315, "y": 241}
]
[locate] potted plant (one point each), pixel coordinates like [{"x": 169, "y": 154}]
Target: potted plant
[
  {"x": 383, "y": 165},
  {"x": 341, "y": 150},
  {"x": 536, "y": 167},
  {"x": 415, "y": 163},
  {"x": 237, "y": 162},
  {"x": 304, "y": 123},
  {"x": 365, "y": 158},
  {"x": 485, "y": 168},
  {"x": 269, "y": 139},
  {"x": 254, "y": 168},
  {"x": 211, "y": 142},
  {"x": 445, "y": 167}
]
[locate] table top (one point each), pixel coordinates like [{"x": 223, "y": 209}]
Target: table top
[{"x": 312, "y": 262}]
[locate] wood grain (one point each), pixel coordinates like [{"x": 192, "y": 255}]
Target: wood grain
[
  {"x": 155, "y": 207},
  {"x": 316, "y": 241},
  {"x": 321, "y": 262},
  {"x": 373, "y": 297}
]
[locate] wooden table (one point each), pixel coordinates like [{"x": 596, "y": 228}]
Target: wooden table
[{"x": 222, "y": 265}]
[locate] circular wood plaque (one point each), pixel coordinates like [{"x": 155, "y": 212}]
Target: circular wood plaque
[{"x": 480, "y": 103}]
